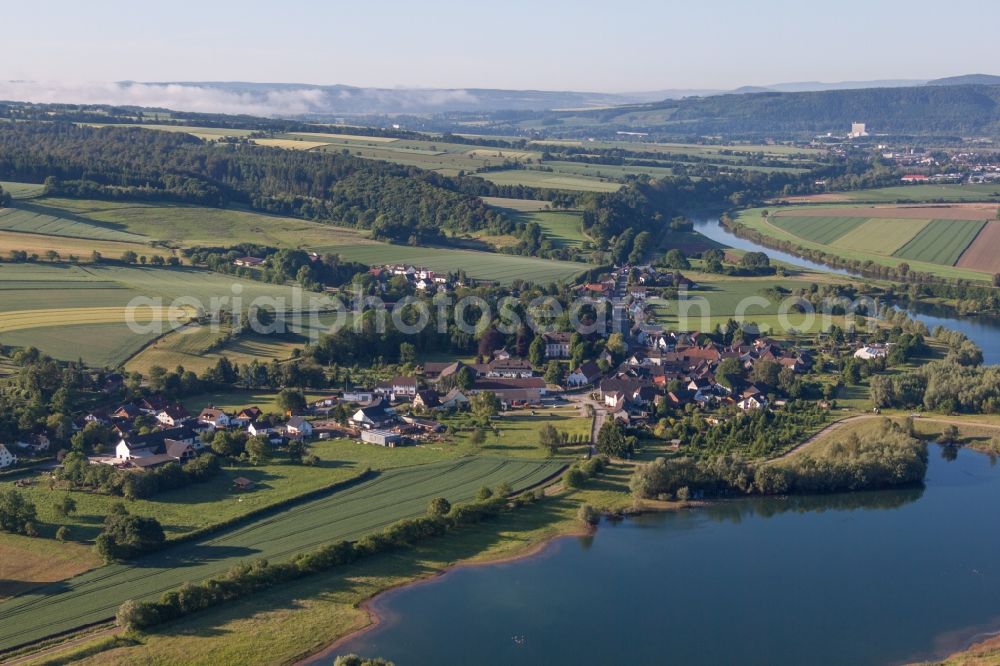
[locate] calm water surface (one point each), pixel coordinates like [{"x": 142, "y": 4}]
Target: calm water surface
[{"x": 868, "y": 578}]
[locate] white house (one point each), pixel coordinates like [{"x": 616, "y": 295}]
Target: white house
[
  {"x": 6, "y": 457},
  {"x": 871, "y": 351},
  {"x": 455, "y": 399},
  {"x": 398, "y": 387},
  {"x": 214, "y": 417},
  {"x": 752, "y": 402},
  {"x": 358, "y": 395},
  {"x": 173, "y": 415},
  {"x": 588, "y": 373},
  {"x": 557, "y": 345},
  {"x": 298, "y": 426}
]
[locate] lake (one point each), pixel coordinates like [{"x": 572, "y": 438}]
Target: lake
[
  {"x": 983, "y": 330},
  {"x": 866, "y": 578}
]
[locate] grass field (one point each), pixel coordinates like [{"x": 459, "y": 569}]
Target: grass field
[
  {"x": 748, "y": 300},
  {"x": 28, "y": 562},
  {"x": 941, "y": 241},
  {"x": 22, "y": 190},
  {"x": 347, "y": 514},
  {"x": 563, "y": 228},
  {"x": 503, "y": 268},
  {"x": 550, "y": 180},
  {"x": 518, "y": 431},
  {"x": 35, "y": 218},
  {"x": 185, "y": 226}
]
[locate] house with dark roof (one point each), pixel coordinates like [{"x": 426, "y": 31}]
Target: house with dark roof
[
  {"x": 375, "y": 415},
  {"x": 298, "y": 426},
  {"x": 588, "y": 373}
]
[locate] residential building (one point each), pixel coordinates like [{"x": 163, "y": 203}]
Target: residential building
[{"x": 7, "y": 458}]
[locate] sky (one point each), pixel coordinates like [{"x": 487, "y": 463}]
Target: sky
[{"x": 611, "y": 46}]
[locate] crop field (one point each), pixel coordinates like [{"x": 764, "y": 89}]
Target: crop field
[
  {"x": 550, "y": 180},
  {"x": 957, "y": 193},
  {"x": 290, "y": 144},
  {"x": 941, "y": 241},
  {"x": 72, "y": 311},
  {"x": 984, "y": 252},
  {"x": 347, "y": 514},
  {"x": 888, "y": 235},
  {"x": 22, "y": 190},
  {"x": 823, "y": 230},
  {"x": 502, "y": 268},
  {"x": 66, "y": 247},
  {"x": 881, "y": 235},
  {"x": 204, "y": 133}
]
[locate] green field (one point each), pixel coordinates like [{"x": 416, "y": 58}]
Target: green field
[
  {"x": 754, "y": 220},
  {"x": 823, "y": 230},
  {"x": 924, "y": 193},
  {"x": 347, "y": 514},
  {"x": 941, "y": 241},
  {"x": 881, "y": 235},
  {"x": 563, "y": 228},
  {"x": 503, "y": 268},
  {"x": 186, "y": 226},
  {"x": 72, "y": 311},
  {"x": 748, "y": 300},
  {"x": 22, "y": 190},
  {"x": 39, "y": 219},
  {"x": 550, "y": 180}
]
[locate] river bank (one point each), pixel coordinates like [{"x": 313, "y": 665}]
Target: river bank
[{"x": 804, "y": 579}]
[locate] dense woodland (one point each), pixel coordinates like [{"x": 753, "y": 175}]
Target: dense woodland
[{"x": 397, "y": 203}]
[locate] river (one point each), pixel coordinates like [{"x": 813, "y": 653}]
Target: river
[
  {"x": 867, "y": 578},
  {"x": 983, "y": 330}
]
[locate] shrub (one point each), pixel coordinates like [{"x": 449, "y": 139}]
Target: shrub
[{"x": 587, "y": 515}]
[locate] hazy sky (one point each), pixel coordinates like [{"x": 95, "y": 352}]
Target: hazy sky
[{"x": 611, "y": 45}]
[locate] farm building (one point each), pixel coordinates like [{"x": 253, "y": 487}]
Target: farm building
[{"x": 382, "y": 438}]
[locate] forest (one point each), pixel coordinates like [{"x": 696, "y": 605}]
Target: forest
[{"x": 398, "y": 203}]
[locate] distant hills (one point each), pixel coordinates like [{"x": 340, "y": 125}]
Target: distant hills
[
  {"x": 321, "y": 100},
  {"x": 942, "y": 109}
]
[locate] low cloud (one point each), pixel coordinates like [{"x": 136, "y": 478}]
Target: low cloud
[{"x": 258, "y": 101}]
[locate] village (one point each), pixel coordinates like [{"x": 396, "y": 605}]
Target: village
[{"x": 636, "y": 377}]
